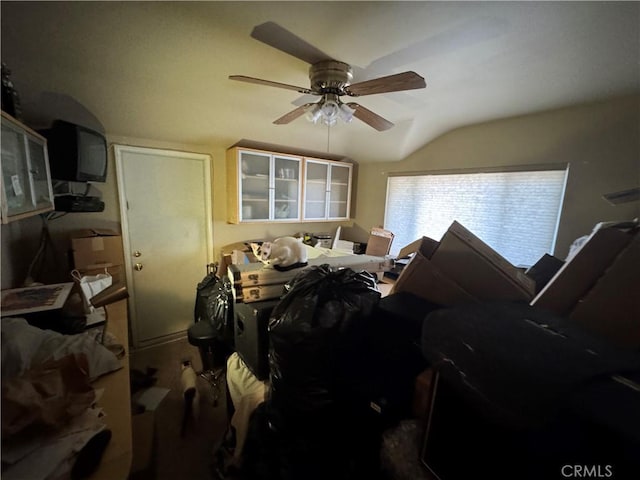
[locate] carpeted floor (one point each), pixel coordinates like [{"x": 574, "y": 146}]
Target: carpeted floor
[{"x": 175, "y": 457}]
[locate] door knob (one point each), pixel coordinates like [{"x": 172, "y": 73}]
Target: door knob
[
  {"x": 137, "y": 253},
  {"x": 137, "y": 266}
]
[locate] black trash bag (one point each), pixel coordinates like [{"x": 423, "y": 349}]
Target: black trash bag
[
  {"x": 214, "y": 304},
  {"x": 313, "y": 331},
  {"x": 307, "y": 427},
  {"x": 271, "y": 455}
]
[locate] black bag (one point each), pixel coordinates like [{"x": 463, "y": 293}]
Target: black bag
[
  {"x": 306, "y": 429},
  {"x": 214, "y": 304},
  {"x": 314, "y": 330}
]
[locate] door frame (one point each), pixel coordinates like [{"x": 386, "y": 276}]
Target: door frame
[{"x": 119, "y": 150}]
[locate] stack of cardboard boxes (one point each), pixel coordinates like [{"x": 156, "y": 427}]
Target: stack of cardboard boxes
[
  {"x": 598, "y": 287},
  {"x": 461, "y": 269},
  {"x": 96, "y": 251}
]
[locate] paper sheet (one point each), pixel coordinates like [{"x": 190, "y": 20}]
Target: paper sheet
[
  {"x": 152, "y": 397},
  {"x": 38, "y": 457}
]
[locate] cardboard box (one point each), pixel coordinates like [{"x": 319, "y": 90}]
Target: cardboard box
[
  {"x": 577, "y": 276},
  {"x": 479, "y": 269},
  {"x": 234, "y": 254},
  {"x": 612, "y": 307},
  {"x": 379, "y": 242},
  {"x": 425, "y": 245},
  {"x": 422, "y": 278},
  {"x": 143, "y": 442},
  {"x": 96, "y": 248},
  {"x": 422, "y": 394},
  {"x": 544, "y": 270}
]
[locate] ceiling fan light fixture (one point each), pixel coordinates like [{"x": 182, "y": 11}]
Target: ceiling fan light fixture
[
  {"x": 330, "y": 121},
  {"x": 314, "y": 112},
  {"x": 329, "y": 110},
  {"x": 346, "y": 112}
]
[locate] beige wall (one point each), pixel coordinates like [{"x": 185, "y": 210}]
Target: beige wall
[
  {"x": 20, "y": 239},
  {"x": 600, "y": 142},
  {"x": 223, "y": 233}
]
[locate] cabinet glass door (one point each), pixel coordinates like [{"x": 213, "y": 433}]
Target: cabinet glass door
[
  {"x": 339, "y": 191},
  {"x": 316, "y": 186},
  {"x": 15, "y": 173},
  {"x": 254, "y": 186},
  {"x": 39, "y": 174},
  {"x": 286, "y": 203}
]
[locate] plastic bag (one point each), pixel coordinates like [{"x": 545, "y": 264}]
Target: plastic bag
[
  {"x": 214, "y": 303},
  {"x": 91, "y": 285},
  {"x": 48, "y": 395},
  {"x": 313, "y": 330}
]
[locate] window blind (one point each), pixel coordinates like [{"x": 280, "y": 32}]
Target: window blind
[{"x": 514, "y": 212}]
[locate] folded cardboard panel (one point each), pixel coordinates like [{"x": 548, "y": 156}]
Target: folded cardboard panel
[
  {"x": 96, "y": 248},
  {"x": 425, "y": 245},
  {"x": 422, "y": 278},
  {"x": 479, "y": 269},
  {"x": 422, "y": 394},
  {"x": 577, "y": 276},
  {"x": 143, "y": 432},
  {"x": 612, "y": 307}
]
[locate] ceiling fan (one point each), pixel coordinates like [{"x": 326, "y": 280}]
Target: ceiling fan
[{"x": 330, "y": 79}]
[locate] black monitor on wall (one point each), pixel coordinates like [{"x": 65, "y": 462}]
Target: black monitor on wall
[{"x": 76, "y": 153}]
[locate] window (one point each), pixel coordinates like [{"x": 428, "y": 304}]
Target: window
[{"x": 514, "y": 212}]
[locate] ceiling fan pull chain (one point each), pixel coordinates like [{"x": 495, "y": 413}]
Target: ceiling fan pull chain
[{"x": 328, "y": 136}]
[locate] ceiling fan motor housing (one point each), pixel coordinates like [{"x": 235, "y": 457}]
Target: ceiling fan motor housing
[{"x": 330, "y": 76}]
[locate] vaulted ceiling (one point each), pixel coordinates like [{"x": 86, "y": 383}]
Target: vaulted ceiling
[{"x": 159, "y": 70}]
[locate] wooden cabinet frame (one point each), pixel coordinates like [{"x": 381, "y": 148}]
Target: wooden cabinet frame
[
  {"x": 26, "y": 178},
  {"x": 266, "y": 186}
]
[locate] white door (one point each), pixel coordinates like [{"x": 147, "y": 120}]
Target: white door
[{"x": 165, "y": 206}]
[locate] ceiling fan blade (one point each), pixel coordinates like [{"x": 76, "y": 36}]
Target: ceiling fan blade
[
  {"x": 277, "y": 37},
  {"x": 269, "y": 83},
  {"x": 292, "y": 115},
  {"x": 390, "y": 83},
  {"x": 309, "y": 98},
  {"x": 372, "y": 119}
]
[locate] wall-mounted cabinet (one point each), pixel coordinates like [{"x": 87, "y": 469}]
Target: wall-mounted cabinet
[
  {"x": 268, "y": 186},
  {"x": 26, "y": 179},
  {"x": 263, "y": 186},
  {"x": 327, "y": 190}
]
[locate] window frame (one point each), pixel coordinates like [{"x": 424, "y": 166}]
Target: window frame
[{"x": 565, "y": 167}]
